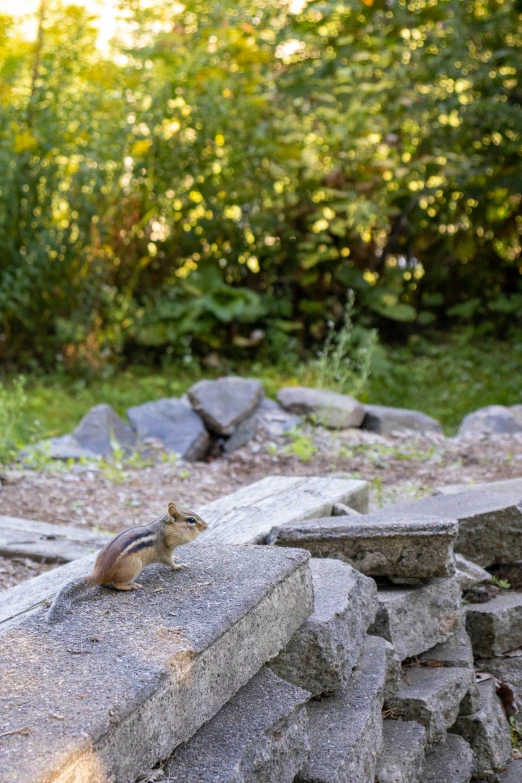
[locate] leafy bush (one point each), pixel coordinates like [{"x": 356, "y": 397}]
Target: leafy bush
[{"x": 15, "y": 428}]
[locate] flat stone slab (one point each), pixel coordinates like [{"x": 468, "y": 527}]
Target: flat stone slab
[
  {"x": 328, "y": 408},
  {"x": 385, "y": 420},
  {"x": 322, "y": 653},
  {"x": 508, "y": 670},
  {"x": 55, "y": 543},
  {"x": 416, "y": 618},
  {"x": 225, "y": 403},
  {"x": 420, "y": 547},
  {"x": 346, "y": 729},
  {"x": 513, "y": 773},
  {"x": 495, "y": 627},
  {"x": 402, "y": 755},
  {"x": 129, "y": 676},
  {"x": 456, "y": 652},
  {"x": 451, "y": 762},
  {"x": 470, "y": 574},
  {"x": 175, "y": 424},
  {"x": 490, "y": 524},
  {"x": 487, "y": 732},
  {"x": 431, "y": 697},
  {"x": 260, "y": 736},
  {"x": 507, "y": 486}
]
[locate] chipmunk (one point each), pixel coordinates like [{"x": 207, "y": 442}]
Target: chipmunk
[{"x": 123, "y": 558}]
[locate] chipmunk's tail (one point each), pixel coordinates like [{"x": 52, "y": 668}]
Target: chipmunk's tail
[{"x": 64, "y": 599}]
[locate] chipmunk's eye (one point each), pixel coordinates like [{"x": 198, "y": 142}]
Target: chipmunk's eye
[{"x": 191, "y": 520}]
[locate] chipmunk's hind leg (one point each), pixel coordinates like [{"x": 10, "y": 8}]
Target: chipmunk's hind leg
[
  {"x": 122, "y": 575},
  {"x": 131, "y": 586}
]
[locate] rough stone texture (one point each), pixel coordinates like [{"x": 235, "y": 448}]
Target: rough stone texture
[
  {"x": 130, "y": 676},
  {"x": 487, "y": 732},
  {"x": 496, "y": 626},
  {"x": 269, "y": 418},
  {"x": 93, "y": 437},
  {"x": 225, "y": 403},
  {"x": 174, "y": 423},
  {"x": 416, "y": 618},
  {"x": 508, "y": 486},
  {"x": 346, "y": 729},
  {"x": 402, "y": 756},
  {"x": 490, "y": 524},
  {"x": 375, "y": 545},
  {"x": 431, "y": 697},
  {"x": 491, "y": 420},
  {"x": 507, "y": 669},
  {"x": 470, "y": 574},
  {"x": 513, "y": 773},
  {"x": 380, "y": 418},
  {"x": 451, "y": 762},
  {"x": 323, "y": 652},
  {"x": 457, "y": 651},
  {"x": 260, "y": 736},
  {"x": 328, "y": 408}
]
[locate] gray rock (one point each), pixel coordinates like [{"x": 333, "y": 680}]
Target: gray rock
[
  {"x": 508, "y": 486},
  {"x": 491, "y": 420},
  {"x": 506, "y": 669},
  {"x": 487, "y": 732},
  {"x": 175, "y": 424},
  {"x": 380, "y": 418},
  {"x": 402, "y": 756},
  {"x": 342, "y": 510},
  {"x": 470, "y": 574},
  {"x": 323, "y": 652},
  {"x": 431, "y": 697},
  {"x": 496, "y": 626},
  {"x": 274, "y": 420},
  {"x": 414, "y": 619},
  {"x": 346, "y": 729},
  {"x": 260, "y": 736},
  {"x": 451, "y": 762},
  {"x": 456, "y": 652},
  {"x": 63, "y": 447},
  {"x": 513, "y": 773},
  {"x": 133, "y": 675},
  {"x": 411, "y": 546},
  {"x": 393, "y": 671},
  {"x": 225, "y": 403},
  {"x": 328, "y": 408},
  {"x": 490, "y": 524}
]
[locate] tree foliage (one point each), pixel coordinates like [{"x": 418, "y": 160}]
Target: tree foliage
[{"x": 231, "y": 165}]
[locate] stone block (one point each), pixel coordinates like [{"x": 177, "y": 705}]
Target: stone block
[
  {"x": 490, "y": 524},
  {"x": 431, "y": 697},
  {"x": 385, "y": 420},
  {"x": 513, "y": 773},
  {"x": 457, "y": 651},
  {"x": 175, "y": 424},
  {"x": 225, "y": 403},
  {"x": 491, "y": 420},
  {"x": 506, "y": 486},
  {"x": 470, "y": 574},
  {"x": 328, "y": 408},
  {"x": 506, "y": 669},
  {"x": 416, "y": 618},
  {"x": 346, "y": 729},
  {"x": 407, "y": 547},
  {"x": 260, "y": 736},
  {"x": 495, "y": 627},
  {"x": 130, "y": 676},
  {"x": 402, "y": 755},
  {"x": 451, "y": 762},
  {"x": 487, "y": 732},
  {"x": 323, "y": 652}
]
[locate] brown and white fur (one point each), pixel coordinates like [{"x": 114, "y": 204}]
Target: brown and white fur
[{"x": 123, "y": 558}]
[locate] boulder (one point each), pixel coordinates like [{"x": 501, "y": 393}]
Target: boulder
[
  {"x": 175, "y": 424},
  {"x": 346, "y": 729},
  {"x": 408, "y": 546},
  {"x": 470, "y": 574},
  {"x": 451, "y": 762},
  {"x": 322, "y": 653},
  {"x": 490, "y": 523},
  {"x": 431, "y": 697},
  {"x": 269, "y": 418},
  {"x": 402, "y": 755},
  {"x": 487, "y": 732},
  {"x": 225, "y": 403},
  {"x": 416, "y": 618},
  {"x": 495, "y": 627},
  {"x": 384, "y": 420},
  {"x": 260, "y": 736},
  {"x": 328, "y": 408},
  {"x": 491, "y": 420}
]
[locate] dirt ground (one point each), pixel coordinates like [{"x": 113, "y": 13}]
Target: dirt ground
[{"x": 399, "y": 468}]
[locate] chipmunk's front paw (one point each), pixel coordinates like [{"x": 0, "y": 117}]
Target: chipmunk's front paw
[{"x": 178, "y": 566}]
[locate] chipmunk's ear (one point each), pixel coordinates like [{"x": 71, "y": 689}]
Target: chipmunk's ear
[{"x": 173, "y": 510}]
